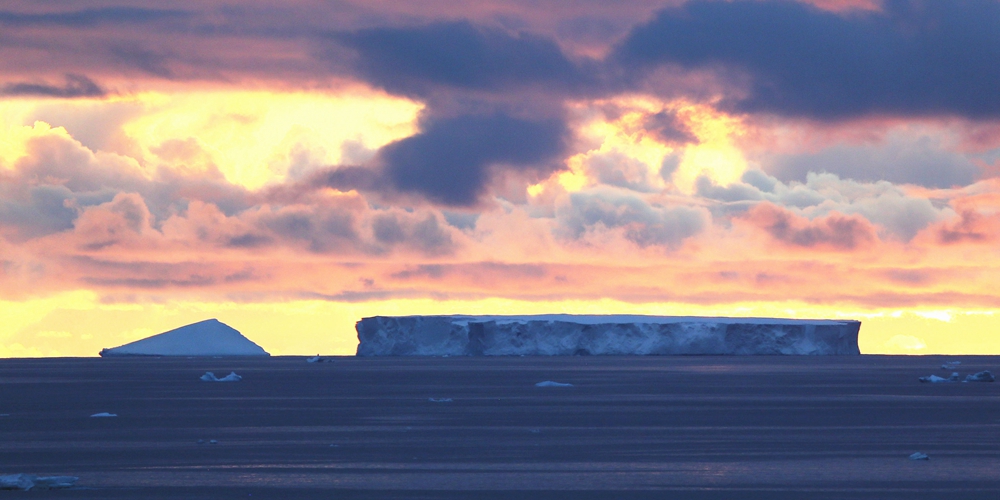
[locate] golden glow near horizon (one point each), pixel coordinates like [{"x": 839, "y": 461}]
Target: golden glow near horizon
[{"x": 79, "y": 324}]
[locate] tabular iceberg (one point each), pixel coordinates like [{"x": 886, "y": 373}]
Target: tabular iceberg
[
  {"x": 567, "y": 335},
  {"x": 204, "y": 338}
]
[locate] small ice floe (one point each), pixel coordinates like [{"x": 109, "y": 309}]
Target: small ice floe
[
  {"x": 319, "y": 359},
  {"x": 983, "y": 376},
  {"x": 950, "y": 365},
  {"x": 439, "y": 400},
  {"x": 919, "y": 456},
  {"x": 27, "y": 482},
  {"x": 210, "y": 377},
  {"x": 104, "y": 414},
  {"x": 549, "y": 383},
  {"x": 934, "y": 379},
  {"x": 210, "y": 441}
]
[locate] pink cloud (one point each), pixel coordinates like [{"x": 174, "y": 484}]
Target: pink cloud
[{"x": 835, "y": 231}]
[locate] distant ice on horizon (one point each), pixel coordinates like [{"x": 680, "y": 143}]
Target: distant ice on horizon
[{"x": 205, "y": 338}]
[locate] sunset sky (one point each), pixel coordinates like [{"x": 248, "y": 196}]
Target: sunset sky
[{"x": 289, "y": 167}]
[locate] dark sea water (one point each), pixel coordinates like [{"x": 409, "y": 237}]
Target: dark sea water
[{"x": 631, "y": 427}]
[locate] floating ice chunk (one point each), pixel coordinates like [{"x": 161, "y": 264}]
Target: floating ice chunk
[
  {"x": 16, "y": 482},
  {"x": 28, "y": 482},
  {"x": 934, "y": 379},
  {"x": 919, "y": 456},
  {"x": 953, "y": 377},
  {"x": 104, "y": 414},
  {"x": 439, "y": 400},
  {"x": 549, "y": 383},
  {"x": 983, "y": 376},
  {"x": 319, "y": 359},
  {"x": 950, "y": 365},
  {"x": 232, "y": 377}
]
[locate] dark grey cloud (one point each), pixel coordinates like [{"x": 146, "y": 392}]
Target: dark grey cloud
[
  {"x": 45, "y": 209},
  {"x": 91, "y": 17},
  {"x": 458, "y": 55},
  {"x": 75, "y": 86},
  {"x": 450, "y": 160},
  {"x": 912, "y": 57},
  {"x": 668, "y": 127}
]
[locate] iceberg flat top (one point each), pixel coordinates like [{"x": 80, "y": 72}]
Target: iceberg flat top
[
  {"x": 205, "y": 338},
  {"x": 600, "y": 319}
]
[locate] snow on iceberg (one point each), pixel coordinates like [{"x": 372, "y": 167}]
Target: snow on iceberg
[
  {"x": 104, "y": 414},
  {"x": 567, "y": 335},
  {"x": 919, "y": 456},
  {"x": 205, "y": 338},
  {"x": 25, "y": 482},
  {"x": 210, "y": 377}
]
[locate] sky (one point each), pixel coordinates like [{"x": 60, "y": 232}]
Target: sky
[{"x": 290, "y": 167}]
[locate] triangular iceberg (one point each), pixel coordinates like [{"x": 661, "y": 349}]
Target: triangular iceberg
[{"x": 204, "y": 338}]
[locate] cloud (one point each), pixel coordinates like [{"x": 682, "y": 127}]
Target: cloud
[
  {"x": 902, "y": 160},
  {"x": 44, "y": 209},
  {"x": 668, "y": 127},
  {"x": 450, "y": 160},
  {"x": 835, "y": 231},
  {"x": 121, "y": 221},
  {"x": 911, "y": 57},
  {"x": 426, "y": 235},
  {"x": 970, "y": 226},
  {"x": 91, "y": 17},
  {"x": 898, "y": 214},
  {"x": 76, "y": 86},
  {"x": 417, "y": 59},
  {"x": 55, "y": 163},
  {"x": 603, "y": 209}
]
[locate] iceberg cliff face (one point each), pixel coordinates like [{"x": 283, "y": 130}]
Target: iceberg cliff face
[{"x": 567, "y": 335}]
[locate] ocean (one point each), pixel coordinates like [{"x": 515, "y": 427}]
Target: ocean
[{"x": 699, "y": 427}]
